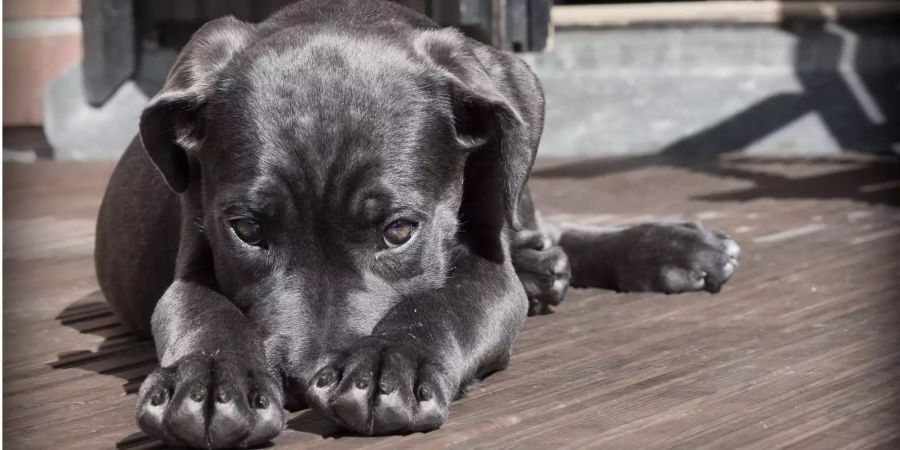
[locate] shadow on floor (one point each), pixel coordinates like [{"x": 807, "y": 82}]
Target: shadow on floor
[
  {"x": 140, "y": 441},
  {"x": 310, "y": 421},
  {"x": 120, "y": 354},
  {"x": 872, "y": 181}
]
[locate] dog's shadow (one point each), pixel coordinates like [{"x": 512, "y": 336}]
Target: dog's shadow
[{"x": 121, "y": 354}]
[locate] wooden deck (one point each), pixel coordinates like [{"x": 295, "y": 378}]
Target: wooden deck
[{"x": 801, "y": 349}]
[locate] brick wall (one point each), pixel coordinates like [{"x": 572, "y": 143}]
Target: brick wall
[{"x": 41, "y": 39}]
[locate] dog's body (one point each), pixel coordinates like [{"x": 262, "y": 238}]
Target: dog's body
[{"x": 342, "y": 221}]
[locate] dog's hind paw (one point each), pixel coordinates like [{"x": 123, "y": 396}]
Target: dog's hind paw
[
  {"x": 543, "y": 270},
  {"x": 676, "y": 257},
  {"x": 381, "y": 386},
  {"x": 211, "y": 402}
]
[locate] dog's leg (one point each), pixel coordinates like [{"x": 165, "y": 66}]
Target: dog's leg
[
  {"x": 403, "y": 377},
  {"x": 669, "y": 257},
  {"x": 213, "y": 389}
]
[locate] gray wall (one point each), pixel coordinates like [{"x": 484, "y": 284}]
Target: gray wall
[{"x": 700, "y": 90}]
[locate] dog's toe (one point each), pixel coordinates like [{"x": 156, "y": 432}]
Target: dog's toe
[
  {"x": 675, "y": 279},
  {"x": 352, "y": 400},
  {"x": 722, "y": 261},
  {"x": 732, "y": 249},
  {"x": 156, "y": 394},
  {"x": 394, "y": 403}
]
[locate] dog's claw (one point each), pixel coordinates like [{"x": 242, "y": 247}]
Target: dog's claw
[
  {"x": 198, "y": 395},
  {"x": 261, "y": 401},
  {"x": 424, "y": 393},
  {"x": 159, "y": 397},
  {"x": 325, "y": 377}
]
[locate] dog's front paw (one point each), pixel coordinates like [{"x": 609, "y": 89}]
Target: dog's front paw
[
  {"x": 676, "y": 257},
  {"x": 381, "y": 386},
  {"x": 211, "y": 402},
  {"x": 543, "y": 269}
]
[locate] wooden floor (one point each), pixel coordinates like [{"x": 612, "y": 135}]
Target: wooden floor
[{"x": 801, "y": 349}]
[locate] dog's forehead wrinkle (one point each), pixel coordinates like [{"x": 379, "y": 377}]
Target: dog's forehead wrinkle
[
  {"x": 254, "y": 185},
  {"x": 330, "y": 62},
  {"x": 323, "y": 133},
  {"x": 333, "y": 79}
]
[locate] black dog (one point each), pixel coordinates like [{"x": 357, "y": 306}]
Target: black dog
[{"x": 329, "y": 209}]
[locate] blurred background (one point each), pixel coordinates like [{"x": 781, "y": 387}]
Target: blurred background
[{"x": 621, "y": 78}]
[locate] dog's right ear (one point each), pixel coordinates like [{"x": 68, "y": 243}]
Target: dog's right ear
[
  {"x": 173, "y": 123},
  {"x": 497, "y": 109}
]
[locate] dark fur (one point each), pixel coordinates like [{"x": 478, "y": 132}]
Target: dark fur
[{"x": 325, "y": 123}]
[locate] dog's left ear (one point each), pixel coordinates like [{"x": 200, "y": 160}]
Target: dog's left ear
[{"x": 498, "y": 112}]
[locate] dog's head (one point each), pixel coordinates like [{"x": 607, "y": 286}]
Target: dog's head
[{"x": 333, "y": 174}]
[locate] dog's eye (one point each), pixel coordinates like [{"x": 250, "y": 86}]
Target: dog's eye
[
  {"x": 248, "y": 230},
  {"x": 399, "y": 232}
]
